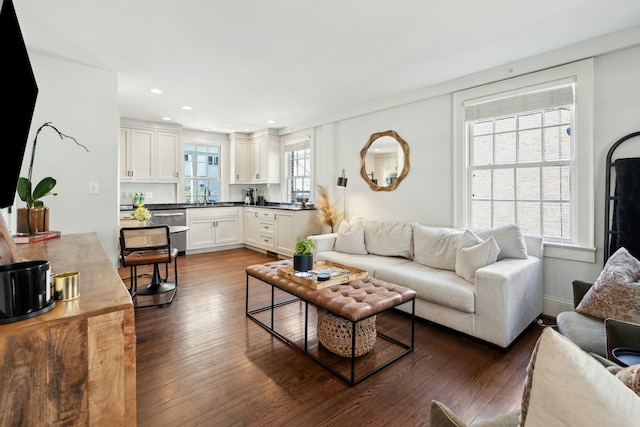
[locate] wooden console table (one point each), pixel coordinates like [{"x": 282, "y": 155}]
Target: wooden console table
[{"x": 76, "y": 364}]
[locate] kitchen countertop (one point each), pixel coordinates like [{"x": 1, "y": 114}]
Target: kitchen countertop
[{"x": 268, "y": 205}]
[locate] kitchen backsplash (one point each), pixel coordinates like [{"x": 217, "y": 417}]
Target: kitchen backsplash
[{"x": 168, "y": 193}]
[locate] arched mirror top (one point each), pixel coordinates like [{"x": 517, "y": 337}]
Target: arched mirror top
[{"x": 384, "y": 161}]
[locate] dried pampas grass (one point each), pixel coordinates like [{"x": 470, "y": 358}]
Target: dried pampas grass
[{"x": 327, "y": 213}]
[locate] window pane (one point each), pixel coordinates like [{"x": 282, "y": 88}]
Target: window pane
[
  {"x": 565, "y": 144},
  {"x": 529, "y": 217},
  {"x": 506, "y": 147},
  {"x": 530, "y": 145},
  {"x": 556, "y": 220},
  {"x": 481, "y": 184},
  {"x": 482, "y": 128},
  {"x": 483, "y": 150},
  {"x": 556, "y": 183},
  {"x": 506, "y": 124},
  {"x": 528, "y": 184},
  {"x": 481, "y": 214},
  {"x": 503, "y": 184},
  {"x": 552, "y": 143},
  {"x": 527, "y": 121},
  {"x": 503, "y": 213}
]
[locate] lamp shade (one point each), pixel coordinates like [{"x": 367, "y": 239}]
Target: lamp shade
[{"x": 342, "y": 180}]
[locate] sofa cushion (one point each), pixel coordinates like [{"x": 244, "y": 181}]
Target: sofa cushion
[
  {"x": 442, "y": 287},
  {"x": 364, "y": 262},
  {"x": 509, "y": 239},
  {"x": 468, "y": 260},
  {"x": 566, "y": 386},
  {"x": 586, "y": 331},
  {"x": 436, "y": 246},
  {"x": 389, "y": 238},
  {"x": 350, "y": 238},
  {"x": 616, "y": 291}
]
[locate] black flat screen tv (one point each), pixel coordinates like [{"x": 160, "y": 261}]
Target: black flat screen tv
[{"x": 18, "y": 96}]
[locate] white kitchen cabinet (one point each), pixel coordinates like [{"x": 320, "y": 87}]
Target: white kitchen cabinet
[
  {"x": 213, "y": 227},
  {"x": 276, "y": 230},
  {"x": 137, "y": 150},
  {"x": 256, "y": 158},
  {"x": 167, "y": 165},
  {"x": 239, "y": 158},
  {"x": 149, "y": 153},
  {"x": 251, "y": 226}
]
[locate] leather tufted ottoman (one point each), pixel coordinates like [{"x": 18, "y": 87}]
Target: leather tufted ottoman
[{"x": 353, "y": 303}]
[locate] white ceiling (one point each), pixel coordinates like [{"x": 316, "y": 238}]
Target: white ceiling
[{"x": 240, "y": 63}]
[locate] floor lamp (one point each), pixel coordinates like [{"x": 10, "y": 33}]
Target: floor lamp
[{"x": 342, "y": 183}]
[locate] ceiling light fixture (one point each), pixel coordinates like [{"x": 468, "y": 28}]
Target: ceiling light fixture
[
  {"x": 271, "y": 121},
  {"x": 166, "y": 118},
  {"x": 155, "y": 91},
  {"x": 186, "y": 107}
]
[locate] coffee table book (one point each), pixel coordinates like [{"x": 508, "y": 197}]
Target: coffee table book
[{"x": 313, "y": 282}]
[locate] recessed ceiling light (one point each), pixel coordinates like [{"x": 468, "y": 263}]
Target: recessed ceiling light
[
  {"x": 271, "y": 121},
  {"x": 186, "y": 107},
  {"x": 247, "y": 130},
  {"x": 206, "y": 129},
  {"x": 166, "y": 118},
  {"x": 155, "y": 90}
]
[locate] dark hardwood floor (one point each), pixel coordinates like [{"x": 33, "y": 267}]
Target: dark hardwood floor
[{"x": 202, "y": 362}]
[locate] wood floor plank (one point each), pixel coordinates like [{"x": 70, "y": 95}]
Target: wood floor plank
[{"x": 202, "y": 362}]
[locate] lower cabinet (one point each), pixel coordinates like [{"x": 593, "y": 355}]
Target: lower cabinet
[
  {"x": 213, "y": 227},
  {"x": 276, "y": 230}
]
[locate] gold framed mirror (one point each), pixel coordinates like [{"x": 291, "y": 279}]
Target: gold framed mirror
[{"x": 384, "y": 161}]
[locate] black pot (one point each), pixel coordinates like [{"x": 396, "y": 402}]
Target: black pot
[
  {"x": 25, "y": 290},
  {"x": 302, "y": 263}
]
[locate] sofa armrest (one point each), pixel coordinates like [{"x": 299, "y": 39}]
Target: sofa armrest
[
  {"x": 509, "y": 296},
  {"x": 580, "y": 289},
  {"x": 324, "y": 242},
  {"x": 621, "y": 334}
]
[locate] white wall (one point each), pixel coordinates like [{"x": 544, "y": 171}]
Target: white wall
[
  {"x": 426, "y": 195},
  {"x": 80, "y": 101}
]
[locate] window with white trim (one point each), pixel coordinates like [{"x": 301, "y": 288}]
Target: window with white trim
[
  {"x": 298, "y": 169},
  {"x": 521, "y": 163},
  {"x": 202, "y": 179},
  {"x": 524, "y": 150}
]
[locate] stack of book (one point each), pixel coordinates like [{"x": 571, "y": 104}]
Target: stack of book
[{"x": 37, "y": 237}]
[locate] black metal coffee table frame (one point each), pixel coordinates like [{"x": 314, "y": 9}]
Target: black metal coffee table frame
[{"x": 352, "y": 380}]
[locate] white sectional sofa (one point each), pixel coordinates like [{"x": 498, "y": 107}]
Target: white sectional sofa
[{"x": 483, "y": 283}]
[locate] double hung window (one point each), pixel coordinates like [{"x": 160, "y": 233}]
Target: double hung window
[
  {"x": 524, "y": 150},
  {"x": 297, "y": 154},
  {"x": 202, "y": 181}
]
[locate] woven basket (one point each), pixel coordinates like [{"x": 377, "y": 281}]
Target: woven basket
[{"x": 334, "y": 333}]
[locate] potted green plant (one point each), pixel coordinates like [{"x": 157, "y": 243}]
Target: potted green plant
[
  {"x": 35, "y": 217},
  {"x": 303, "y": 256}
]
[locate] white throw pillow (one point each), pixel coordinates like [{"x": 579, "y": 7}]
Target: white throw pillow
[
  {"x": 389, "y": 238},
  {"x": 350, "y": 239},
  {"x": 436, "y": 246},
  {"x": 567, "y": 387},
  {"x": 470, "y": 259},
  {"x": 509, "y": 239}
]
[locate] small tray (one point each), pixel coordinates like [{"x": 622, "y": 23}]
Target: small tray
[{"x": 313, "y": 282}]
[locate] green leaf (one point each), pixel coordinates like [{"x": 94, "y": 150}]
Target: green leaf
[
  {"x": 44, "y": 188},
  {"x": 24, "y": 189}
]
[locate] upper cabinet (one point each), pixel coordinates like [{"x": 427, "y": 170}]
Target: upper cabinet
[
  {"x": 149, "y": 154},
  {"x": 255, "y": 158}
]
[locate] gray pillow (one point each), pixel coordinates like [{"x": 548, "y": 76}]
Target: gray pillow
[{"x": 509, "y": 239}]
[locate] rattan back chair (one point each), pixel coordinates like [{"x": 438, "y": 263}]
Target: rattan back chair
[{"x": 149, "y": 246}]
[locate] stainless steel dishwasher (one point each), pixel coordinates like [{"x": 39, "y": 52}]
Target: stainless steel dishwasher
[{"x": 172, "y": 217}]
